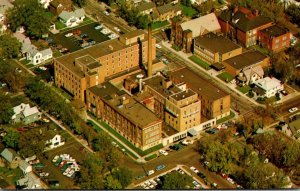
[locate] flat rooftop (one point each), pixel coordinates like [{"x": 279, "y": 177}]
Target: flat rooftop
[
  {"x": 133, "y": 111},
  {"x": 216, "y": 43},
  {"x": 183, "y": 95},
  {"x": 156, "y": 83},
  {"x": 96, "y": 51},
  {"x": 275, "y": 31},
  {"x": 198, "y": 84},
  {"x": 246, "y": 59}
]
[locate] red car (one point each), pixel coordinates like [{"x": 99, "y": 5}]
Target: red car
[{"x": 62, "y": 164}]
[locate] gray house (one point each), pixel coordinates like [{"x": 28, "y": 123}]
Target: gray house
[
  {"x": 25, "y": 114},
  {"x": 11, "y": 157}
]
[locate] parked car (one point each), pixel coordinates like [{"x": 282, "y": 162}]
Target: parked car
[
  {"x": 293, "y": 109},
  {"x": 117, "y": 29},
  {"x": 160, "y": 167},
  {"x": 283, "y": 92},
  {"x": 150, "y": 172},
  {"x": 69, "y": 34},
  {"x": 194, "y": 169},
  {"x": 84, "y": 35},
  {"x": 201, "y": 175},
  {"x": 97, "y": 27},
  {"x": 106, "y": 13},
  {"x": 162, "y": 152},
  {"x": 157, "y": 46}
]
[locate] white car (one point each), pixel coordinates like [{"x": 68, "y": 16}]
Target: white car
[
  {"x": 106, "y": 13},
  {"x": 157, "y": 46},
  {"x": 69, "y": 34},
  {"x": 150, "y": 172},
  {"x": 117, "y": 29},
  {"x": 55, "y": 158},
  {"x": 163, "y": 152},
  {"x": 293, "y": 109},
  {"x": 194, "y": 169}
]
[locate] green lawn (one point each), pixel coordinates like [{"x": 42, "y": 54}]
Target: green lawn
[
  {"x": 151, "y": 157},
  {"x": 188, "y": 11},
  {"x": 159, "y": 24},
  {"x": 59, "y": 25},
  {"x": 10, "y": 175},
  {"x": 244, "y": 89},
  {"x": 260, "y": 49},
  {"x": 128, "y": 143},
  {"x": 200, "y": 62},
  {"x": 226, "y": 118},
  {"x": 225, "y": 76}
]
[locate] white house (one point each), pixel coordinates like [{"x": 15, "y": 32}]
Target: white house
[
  {"x": 31, "y": 52},
  {"x": 25, "y": 114},
  {"x": 25, "y": 166},
  {"x": 30, "y": 181},
  {"x": 71, "y": 19},
  {"x": 37, "y": 57},
  {"x": 55, "y": 142},
  {"x": 268, "y": 86},
  {"x": 45, "y": 3}
]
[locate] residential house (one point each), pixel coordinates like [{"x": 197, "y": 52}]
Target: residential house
[
  {"x": 198, "y": 2},
  {"x": 295, "y": 129},
  {"x": 25, "y": 166},
  {"x": 248, "y": 66},
  {"x": 214, "y": 48},
  {"x": 242, "y": 25},
  {"x": 38, "y": 56},
  {"x": 30, "y": 181},
  {"x": 54, "y": 142},
  {"x": 168, "y": 11},
  {"x": 31, "y": 52},
  {"x": 25, "y": 114},
  {"x": 274, "y": 38},
  {"x": 45, "y": 3},
  {"x": 71, "y": 19},
  {"x": 57, "y": 6},
  {"x": 267, "y": 87},
  {"x": 11, "y": 157},
  {"x": 183, "y": 33},
  {"x": 127, "y": 116},
  {"x": 4, "y": 6},
  {"x": 146, "y": 8},
  {"x": 214, "y": 102}
]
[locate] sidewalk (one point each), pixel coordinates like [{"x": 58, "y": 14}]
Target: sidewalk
[{"x": 189, "y": 62}]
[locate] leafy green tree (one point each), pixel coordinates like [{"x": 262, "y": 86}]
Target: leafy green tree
[
  {"x": 9, "y": 46},
  {"x": 294, "y": 11},
  {"x": 31, "y": 15},
  {"x": 102, "y": 143},
  {"x": 6, "y": 111},
  {"x": 123, "y": 175},
  {"x": 176, "y": 181},
  {"x": 183, "y": 2},
  {"x": 112, "y": 183},
  {"x": 188, "y": 3},
  {"x": 11, "y": 138},
  {"x": 80, "y": 3}
]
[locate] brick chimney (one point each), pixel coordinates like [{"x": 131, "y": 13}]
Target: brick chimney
[
  {"x": 255, "y": 12},
  {"x": 149, "y": 71}
]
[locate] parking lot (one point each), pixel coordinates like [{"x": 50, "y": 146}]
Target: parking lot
[
  {"x": 72, "y": 43},
  {"x": 154, "y": 182}
]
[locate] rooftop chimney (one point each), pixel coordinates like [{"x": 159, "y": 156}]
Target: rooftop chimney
[{"x": 149, "y": 72}]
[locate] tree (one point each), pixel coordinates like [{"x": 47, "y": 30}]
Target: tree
[
  {"x": 32, "y": 142},
  {"x": 294, "y": 11},
  {"x": 112, "y": 183},
  {"x": 6, "y": 111},
  {"x": 11, "y": 138},
  {"x": 9, "y": 46},
  {"x": 188, "y": 3},
  {"x": 102, "y": 143},
  {"x": 183, "y": 2},
  {"x": 123, "y": 175},
  {"x": 80, "y": 3},
  {"x": 31, "y": 15},
  {"x": 176, "y": 181}
]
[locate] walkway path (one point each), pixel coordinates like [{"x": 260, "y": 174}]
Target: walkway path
[{"x": 140, "y": 159}]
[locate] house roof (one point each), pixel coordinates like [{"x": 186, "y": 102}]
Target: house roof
[
  {"x": 295, "y": 128},
  {"x": 8, "y": 154},
  {"x": 30, "y": 181},
  {"x": 145, "y": 6},
  {"x": 30, "y": 111},
  {"x": 56, "y": 3},
  {"x": 134, "y": 111},
  {"x": 24, "y": 165},
  {"x": 198, "y": 84},
  {"x": 65, "y": 15},
  {"x": 46, "y": 52},
  {"x": 256, "y": 69},
  {"x": 267, "y": 83},
  {"x": 168, "y": 8},
  {"x": 216, "y": 43},
  {"x": 25, "y": 109},
  {"x": 4, "y": 5},
  {"x": 246, "y": 59},
  {"x": 202, "y": 24},
  {"x": 243, "y": 19},
  {"x": 26, "y": 43},
  {"x": 275, "y": 31}
]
